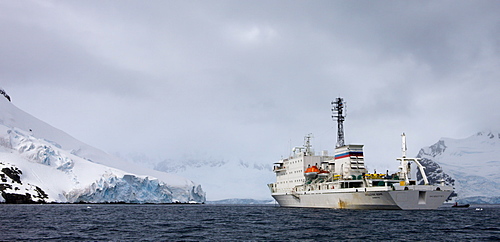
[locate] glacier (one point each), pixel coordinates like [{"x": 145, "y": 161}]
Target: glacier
[
  {"x": 221, "y": 178},
  {"x": 470, "y": 165},
  {"x": 40, "y": 163}
]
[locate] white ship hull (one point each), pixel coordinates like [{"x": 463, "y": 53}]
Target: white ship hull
[
  {"x": 342, "y": 181},
  {"x": 350, "y": 199}
]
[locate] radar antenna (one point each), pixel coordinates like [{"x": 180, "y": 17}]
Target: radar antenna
[
  {"x": 307, "y": 144},
  {"x": 338, "y": 113}
]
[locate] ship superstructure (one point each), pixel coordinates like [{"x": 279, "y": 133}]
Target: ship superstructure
[{"x": 342, "y": 180}]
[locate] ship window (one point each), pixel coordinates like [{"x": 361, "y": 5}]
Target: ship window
[
  {"x": 356, "y": 184},
  {"x": 351, "y": 184}
]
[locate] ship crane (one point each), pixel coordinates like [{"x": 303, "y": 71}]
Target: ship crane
[{"x": 405, "y": 164}]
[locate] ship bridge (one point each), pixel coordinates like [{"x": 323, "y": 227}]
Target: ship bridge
[{"x": 349, "y": 161}]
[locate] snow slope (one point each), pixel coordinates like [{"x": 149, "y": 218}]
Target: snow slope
[
  {"x": 471, "y": 165},
  {"x": 68, "y": 170}
]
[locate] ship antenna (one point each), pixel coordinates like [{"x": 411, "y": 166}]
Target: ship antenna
[
  {"x": 307, "y": 145},
  {"x": 338, "y": 113},
  {"x": 403, "y": 148}
]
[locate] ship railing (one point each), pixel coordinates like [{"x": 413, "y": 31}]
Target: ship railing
[
  {"x": 299, "y": 188},
  {"x": 399, "y": 187},
  {"x": 380, "y": 176}
]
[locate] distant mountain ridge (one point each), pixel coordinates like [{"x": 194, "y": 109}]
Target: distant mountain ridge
[
  {"x": 221, "y": 179},
  {"x": 186, "y": 165},
  {"x": 471, "y": 165},
  {"x": 39, "y": 163}
]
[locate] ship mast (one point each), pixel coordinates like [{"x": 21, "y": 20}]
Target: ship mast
[
  {"x": 403, "y": 144},
  {"x": 338, "y": 114},
  {"x": 307, "y": 145}
]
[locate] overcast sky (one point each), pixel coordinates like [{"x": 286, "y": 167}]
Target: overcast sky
[{"x": 247, "y": 80}]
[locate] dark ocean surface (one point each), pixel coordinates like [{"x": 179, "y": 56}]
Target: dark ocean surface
[{"x": 96, "y": 222}]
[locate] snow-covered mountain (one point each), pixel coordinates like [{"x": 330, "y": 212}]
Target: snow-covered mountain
[
  {"x": 41, "y": 163},
  {"x": 471, "y": 165},
  {"x": 221, "y": 179}
]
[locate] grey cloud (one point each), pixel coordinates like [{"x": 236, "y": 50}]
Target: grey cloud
[{"x": 241, "y": 77}]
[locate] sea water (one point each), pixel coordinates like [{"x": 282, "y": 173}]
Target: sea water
[{"x": 102, "y": 222}]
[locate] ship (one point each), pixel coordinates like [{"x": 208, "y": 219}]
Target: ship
[{"x": 342, "y": 181}]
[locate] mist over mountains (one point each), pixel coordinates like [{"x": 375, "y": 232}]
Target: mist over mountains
[
  {"x": 471, "y": 166},
  {"x": 221, "y": 179},
  {"x": 40, "y": 163}
]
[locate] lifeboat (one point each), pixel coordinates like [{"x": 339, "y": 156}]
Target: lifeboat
[
  {"x": 323, "y": 174},
  {"x": 311, "y": 172}
]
